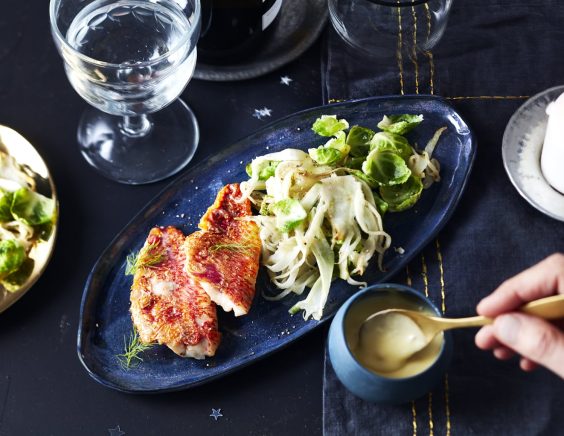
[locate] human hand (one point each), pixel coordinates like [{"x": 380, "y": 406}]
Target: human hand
[{"x": 537, "y": 341}]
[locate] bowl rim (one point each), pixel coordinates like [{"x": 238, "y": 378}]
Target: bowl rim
[
  {"x": 388, "y": 286},
  {"x": 61, "y": 40}
]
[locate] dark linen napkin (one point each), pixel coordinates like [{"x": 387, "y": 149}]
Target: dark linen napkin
[{"x": 492, "y": 57}]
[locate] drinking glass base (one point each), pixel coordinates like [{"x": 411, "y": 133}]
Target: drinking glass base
[{"x": 167, "y": 146}]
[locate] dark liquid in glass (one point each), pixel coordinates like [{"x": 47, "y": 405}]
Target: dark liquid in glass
[{"x": 233, "y": 30}]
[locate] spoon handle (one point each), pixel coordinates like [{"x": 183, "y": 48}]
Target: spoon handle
[
  {"x": 547, "y": 308},
  {"x": 455, "y": 323}
]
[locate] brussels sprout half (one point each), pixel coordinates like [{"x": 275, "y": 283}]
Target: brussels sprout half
[
  {"x": 359, "y": 140},
  {"x": 400, "y": 124},
  {"x": 289, "y": 214},
  {"x": 6, "y": 206},
  {"x": 328, "y": 125},
  {"x": 386, "y": 168},
  {"x": 385, "y": 141},
  {"x": 32, "y": 208},
  {"x": 404, "y": 196},
  {"x": 12, "y": 255}
]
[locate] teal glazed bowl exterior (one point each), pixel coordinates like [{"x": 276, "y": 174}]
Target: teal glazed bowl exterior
[{"x": 368, "y": 385}]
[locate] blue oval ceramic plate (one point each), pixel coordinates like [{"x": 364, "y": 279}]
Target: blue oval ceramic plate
[{"x": 105, "y": 319}]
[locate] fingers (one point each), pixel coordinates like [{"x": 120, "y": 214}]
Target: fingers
[
  {"x": 528, "y": 365},
  {"x": 541, "y": 280},
  {"x": 536, "y": 340},
  {"x": 503, "y": 353},
  {"x": 486, "y": 340}
]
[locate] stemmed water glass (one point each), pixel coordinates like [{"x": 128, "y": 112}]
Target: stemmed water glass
[
  {"x": 381, "y": 28},
  {"x": 130, "y": 60}
]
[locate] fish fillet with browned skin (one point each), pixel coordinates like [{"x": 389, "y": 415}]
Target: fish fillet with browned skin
[
  {"x": 167, "y": 306},
  {"x": 224, "y": 257}
]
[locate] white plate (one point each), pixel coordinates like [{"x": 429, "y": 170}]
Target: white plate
[{"x": 521, "y": 150}]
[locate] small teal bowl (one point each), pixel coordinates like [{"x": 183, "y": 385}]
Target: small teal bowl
[{"x": 368, "y": 385}]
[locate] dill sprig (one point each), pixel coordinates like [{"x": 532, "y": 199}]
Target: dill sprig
[
  {"x": 233, "y": 246},
  {"x": 148, "y": 256},
  {"x": 132, "y": 350}
]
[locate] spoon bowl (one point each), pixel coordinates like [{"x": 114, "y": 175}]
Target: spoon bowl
[
  {"x": 429, "y": 326},
  {"x": 16, "y": 146}
]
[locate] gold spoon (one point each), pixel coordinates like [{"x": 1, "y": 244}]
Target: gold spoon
[
  {"x": 17, "y": 147},
  {"x": 546, "y": 308}
]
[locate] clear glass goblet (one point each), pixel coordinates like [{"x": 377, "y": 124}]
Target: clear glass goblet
[
  {"x": 130, "y": 60},
  {"x": 381, "y": 28}
]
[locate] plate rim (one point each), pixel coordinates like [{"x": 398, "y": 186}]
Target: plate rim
[
  {"x": 504, "y": 150},
  {"x": 211, "y": 159},
  {"x": 52, "y": 241}
]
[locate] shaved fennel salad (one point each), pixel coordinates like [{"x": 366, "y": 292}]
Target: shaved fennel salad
[{"x": 320, "y": 212}]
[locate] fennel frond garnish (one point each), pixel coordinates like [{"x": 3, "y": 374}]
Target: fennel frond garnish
[
  {"x": 148, "y": 256},
  {"x": 132, "y": 350},
  {"x": 238, "y": 247},
  {"x": 244, "y": 246}
]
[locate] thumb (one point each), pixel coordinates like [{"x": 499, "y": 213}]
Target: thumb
[{"x": 532, "y": 338}]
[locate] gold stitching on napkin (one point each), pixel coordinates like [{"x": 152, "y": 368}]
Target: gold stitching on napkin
[
  {"x": 443, "y": 309},
  {"x": 447, "y": 406},
  {"x": 426, "y": 289},
  {"x": 414, "y": 50},
  {"x": 441, "y": 275},
  {"x": 408, "y": 276},
  {"x": 408, "y": 282},
  {"x": 489, "y": 97},
  {"x": 335, "y": 100},
  {"x": 428, "y": 53},
  {"x": 414, "y": 415},
  {"x": 424, "y": 275},
  {"x": 431, "y": 414},
  {"x": 431, "y": 72},
  {"x": 399, "y": 55}
]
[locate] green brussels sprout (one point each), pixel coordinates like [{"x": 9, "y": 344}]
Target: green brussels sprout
[
  {"x": 328, "y": 125},
  {"x": 381, "y": 205},
  {"x": 386, "y": 168},
  {"x": 400, "y": 124},
  {"x": 5, "y": 206},
  {"x": 15, "y": 280},
  {"x": 12, "y": 255},
  {"x": 332, "y": 152},
  {"x": 404, "y": 196},
  {"x": 289, "y": 214},
  {"x": 266, "y": 169},
  {"x": 325, "y": 156},
  {"x": 359, "y": 140},
  {"x": 385, "y": 141},
  {"x": 365, "y": 178},
  {"x": 32, "y": 208},
  {"x": 354, "y": 163},
  {"x": 339, "y": 142}
]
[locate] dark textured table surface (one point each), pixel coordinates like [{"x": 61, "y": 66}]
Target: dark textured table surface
[{"x": 44, "y": 390}]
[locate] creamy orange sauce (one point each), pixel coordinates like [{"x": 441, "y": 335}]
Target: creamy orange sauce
[{"x": 387, "y": 349}]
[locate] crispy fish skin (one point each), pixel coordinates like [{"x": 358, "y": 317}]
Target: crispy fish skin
[
  {"x": 226, "y": 208},
  {"x": 167, "y": 306},
  {"x": 224, "y": 257}
]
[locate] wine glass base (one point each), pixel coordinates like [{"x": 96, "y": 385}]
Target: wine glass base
[{"x": 165, "y": 149}]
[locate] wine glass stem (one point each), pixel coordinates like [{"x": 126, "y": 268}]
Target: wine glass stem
[{"x": 136, "y": 126}]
